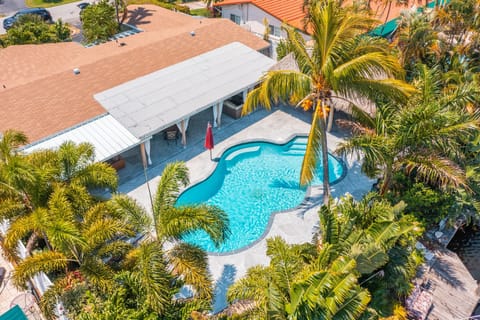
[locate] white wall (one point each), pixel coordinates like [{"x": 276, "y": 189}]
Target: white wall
[{"x": 251, "y": 17}]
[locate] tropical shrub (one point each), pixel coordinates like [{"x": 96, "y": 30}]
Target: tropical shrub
[
  {"x": 360, "y": 245},
  {"x": 31, "y": 29},
  {"x": 99, "y": 22}
]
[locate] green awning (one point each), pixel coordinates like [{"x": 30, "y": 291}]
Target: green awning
[
  {"x": 14, "y": 314},
  {"x": 385, "y": 30},
  {"x": 431, "y": 5}
]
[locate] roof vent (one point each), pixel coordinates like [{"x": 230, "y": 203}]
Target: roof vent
[
  {"x": 76, "y": 71},
  {"x": 192, "y": 33}
]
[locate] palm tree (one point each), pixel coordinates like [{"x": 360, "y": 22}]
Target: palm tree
[
  {"x": 82, "y": 245},
  {"x": 10, "y": 141},
  {"x": 297, "y": 284},
  {"x": 27, "y": 183},
  {"x": 76, "y": 165},
  {"x": 380, "y": 238},
  {"x": 170, "y": 223},
  {"x": 423, "y": 138},
  {"x": 418, "y": 41},
  {"x": 341, "y": 63}
]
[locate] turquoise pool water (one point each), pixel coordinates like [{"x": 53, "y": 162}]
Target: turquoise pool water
[{"x": 250, "y": 182}]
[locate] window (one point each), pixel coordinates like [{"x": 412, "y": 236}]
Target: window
[
  {"x": 275, "y": 31},
  {"x": 235, "y": 18}
]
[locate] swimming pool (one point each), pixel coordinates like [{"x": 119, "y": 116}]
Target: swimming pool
[{"x": 252, "y": 181}]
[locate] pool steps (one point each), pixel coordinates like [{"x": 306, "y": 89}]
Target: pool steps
[
  {"x": 250, "y": 151},
  {"x": 297, "y": 148}
]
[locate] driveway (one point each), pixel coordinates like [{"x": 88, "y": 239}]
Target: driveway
[
  {"x": 69, "y": 13},
  {"x": 7, "y": 7}
]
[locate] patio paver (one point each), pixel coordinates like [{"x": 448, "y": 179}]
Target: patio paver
[{"x": 295, "y": 226}]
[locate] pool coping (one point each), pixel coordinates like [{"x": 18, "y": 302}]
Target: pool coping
[{"x": 274, "y": 213}]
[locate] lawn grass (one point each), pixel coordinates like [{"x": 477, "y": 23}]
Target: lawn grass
[
  {"x": 46, "y": 3},
  {"x": 204, "y": 12}
]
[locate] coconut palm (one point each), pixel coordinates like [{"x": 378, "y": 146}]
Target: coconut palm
[
  {"x": 341, "y": 63},
  {"x": 424, "y": 138}
]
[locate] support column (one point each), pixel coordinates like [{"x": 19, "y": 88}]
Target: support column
[
  {"x": 147, "y": 151},
  {"x": 245, "y": 93},
  {"x": 218, "y": 118},
  {"x": 142, "y": 153},
  {"x": 182, "y": 126},
  {"x": 215, "y": 115}
]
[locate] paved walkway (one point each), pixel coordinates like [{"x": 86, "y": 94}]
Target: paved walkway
[
  {"x": 195, "y": 5},
  {"x": 295, "y": 226},
  {"x": 9, "y": 294}
]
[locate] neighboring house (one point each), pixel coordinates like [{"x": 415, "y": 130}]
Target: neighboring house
[
  {"x": 251, "y": 14},
  {"x": 124, "y": 93}
]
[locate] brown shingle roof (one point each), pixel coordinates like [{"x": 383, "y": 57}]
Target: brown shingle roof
[{"x": 43, "y": 96}]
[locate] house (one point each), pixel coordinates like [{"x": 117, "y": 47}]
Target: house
[
  {"x": 120, "y": 94},
  {"x": 251, "y": 14}
]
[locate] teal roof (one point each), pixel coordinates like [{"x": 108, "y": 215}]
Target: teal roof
[
  {"x": 14, "y": 313},
  {"x": 439, "y": 2},
  {"x": 385, "y": 30}
]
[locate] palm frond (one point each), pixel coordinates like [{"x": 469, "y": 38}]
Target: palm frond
[
  {"x": 45, "y": 261},
  {"x": 176, "y": 222},
  {"x": 130, "y": 210},
  {"x": 436, "y": 170},
  {"x": 97, "y": 175},
  {"x": 174, "y": 176},
  {"x": 10, "y": 141},
  {"x": 278, "y": 86},
  {"x": 285, "y": 263},
  {"x": 190, "y": 264},
  {"x": 104, "y": 230},
  {"x": 149, "y": 277},
  {"x": 394, "y": 89},
  {"x": 97, "y": 274}
]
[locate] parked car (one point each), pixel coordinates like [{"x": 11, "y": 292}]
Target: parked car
[
  {"x": 83, "y": 5},
  {"x": 43, "y": 13}
]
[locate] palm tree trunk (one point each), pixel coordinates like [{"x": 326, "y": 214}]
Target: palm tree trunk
[
  {"x": 387, "y": 177},
  {"x": 31, "y": 242},
  {"x": 326, "y": 176},
  {"x": 330, "y": 119}
]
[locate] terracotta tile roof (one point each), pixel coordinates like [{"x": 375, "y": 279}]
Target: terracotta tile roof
[
  {"x": 291, "y": 11},
  {"x": 288, "y": 11},
  {"x": 42, "y": 96}
]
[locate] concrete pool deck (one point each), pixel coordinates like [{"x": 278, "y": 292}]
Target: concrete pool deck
[{"x": 295, "y": 226}]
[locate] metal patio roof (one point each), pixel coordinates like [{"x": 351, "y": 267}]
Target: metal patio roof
[
  {"x": 105, "y": 133},
  {"x": 154, "y": 102}
]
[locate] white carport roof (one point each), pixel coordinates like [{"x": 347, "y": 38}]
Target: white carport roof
[
  {"x": 154, "y": 102},
  {"x": 105, "y": 133}
]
